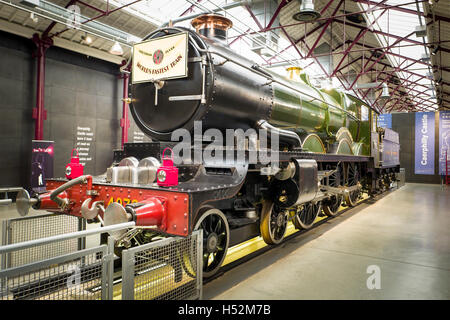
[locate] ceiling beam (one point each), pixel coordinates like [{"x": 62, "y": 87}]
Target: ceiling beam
[
  {"x": 327, "y": 23},
  {"x": 378, "y": 59},
  {"x": 275, "y": 14},
  {"x": 361, "y": 34},
  {"x": 62, "y": 43},
  {"x": 355, "y": 25}
]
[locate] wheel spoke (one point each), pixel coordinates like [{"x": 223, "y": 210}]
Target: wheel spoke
[
  {"x": 218, "y": 226},
  {"x": 310, "y": 213},
  {"x": 210, "y": 224},
  {"x": 221, "y": 239},
  {"x": 205, "y": 229},
  {"x": 205, "y": 259},
  {"x": 214, "y": 224}
]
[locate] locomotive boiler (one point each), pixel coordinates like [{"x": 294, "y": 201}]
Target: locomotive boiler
[
  {"x": 225, "y": 90},
  {"x": 330, "y": 150}
]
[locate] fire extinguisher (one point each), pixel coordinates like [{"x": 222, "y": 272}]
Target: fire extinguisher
[{"x": 74, "y": 168}]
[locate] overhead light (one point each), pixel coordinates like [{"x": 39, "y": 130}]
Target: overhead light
[
  {"x": 421, "y": 31},
  {"x": 425, "y": 57},
  {"x": 116, "y": 49},
  {"x": 435, "y": 50},
  {"x": 385, "y": 93},
  {"x": 368, "y": 85},
  {"x": 33, "y": 17},
  {"x": 86, "y": 38},
  {"x": 30, "y": 3},
  {"x": 307, "y": 11}
]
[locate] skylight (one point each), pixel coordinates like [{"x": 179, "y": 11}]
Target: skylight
[
  {"x": 160, "y": 12},
  {"x": 405, "y": 55}
]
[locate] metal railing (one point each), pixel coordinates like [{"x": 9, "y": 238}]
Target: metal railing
[
  {"x": 35, "y": 227},
  {"x": 73, "y": 276},
  {"x": 5, "y": 200},
  {"x": 170, "y": 268}
]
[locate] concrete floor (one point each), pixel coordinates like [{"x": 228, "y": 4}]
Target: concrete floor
[{"x": 405, "y": 234}]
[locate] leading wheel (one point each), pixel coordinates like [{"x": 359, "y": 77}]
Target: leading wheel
[
  {"x": 273, "y": 223},
  {"x": 306, "y": 215},
  {"x": 216, "y": 237}
]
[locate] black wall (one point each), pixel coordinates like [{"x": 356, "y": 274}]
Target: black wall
[
  {"x": 16, "y": 103},
  {"x": 79, "y": 92},
  {"x": 404, "y": 124}
]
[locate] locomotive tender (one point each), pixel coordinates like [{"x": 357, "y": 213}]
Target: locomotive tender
[{"x": 330, "y": 151}]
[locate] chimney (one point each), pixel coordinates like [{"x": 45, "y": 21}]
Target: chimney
[{"x": 212, "y": 25}]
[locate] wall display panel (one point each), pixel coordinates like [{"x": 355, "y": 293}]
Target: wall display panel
[
  {"x": 385, "y": 121},
  {"x": 41, "y": 164},
  {"x": 424, "y": 143},
  {"x": 405, "y": 125},
  {"x": 444, "y": 139}
]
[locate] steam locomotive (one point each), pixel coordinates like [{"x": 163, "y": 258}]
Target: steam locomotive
[{"x": 329, "y": 150}]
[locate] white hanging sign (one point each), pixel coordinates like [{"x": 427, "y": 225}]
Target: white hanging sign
[{"x": 160, "y": 59}]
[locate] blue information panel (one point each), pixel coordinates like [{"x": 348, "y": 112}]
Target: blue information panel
[
  {"x": 424, "y": 146},
  {"x": 385, "y": 121},
  {"x": 444, "y": 139}
]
